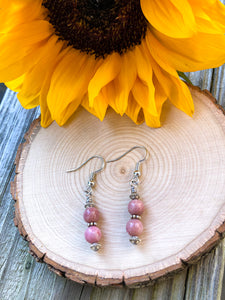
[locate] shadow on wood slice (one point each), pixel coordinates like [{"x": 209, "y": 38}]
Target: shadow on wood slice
[{"x": 182, "y": 185}]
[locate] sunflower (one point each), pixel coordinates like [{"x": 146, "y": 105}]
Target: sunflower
[{"x": 125, "y": 54}]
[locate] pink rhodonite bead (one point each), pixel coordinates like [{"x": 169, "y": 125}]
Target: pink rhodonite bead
[
  {"x": 93, "y": 234},
  {"x": 136, "y": 207},
  {"x": 134, "y": 227},
  {"x": 91, "y": 214}
]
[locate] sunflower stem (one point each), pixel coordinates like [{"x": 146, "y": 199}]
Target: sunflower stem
[{"x": 183, "y": 76}]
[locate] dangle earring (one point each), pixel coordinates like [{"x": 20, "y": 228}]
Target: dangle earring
[
  {"x": 91, "y": 214},
  {"x": 135, "y": 207}
]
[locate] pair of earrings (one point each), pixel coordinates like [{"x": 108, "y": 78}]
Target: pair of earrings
[{"x": 135, "y": 207}]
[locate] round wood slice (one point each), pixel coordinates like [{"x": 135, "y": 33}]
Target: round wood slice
[{"x": 182, "y": 185}]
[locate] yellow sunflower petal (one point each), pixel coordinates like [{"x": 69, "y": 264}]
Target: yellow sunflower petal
[
  {"x": 197, "y": 53},
  {"x": 30, "y": 103},
  {"x": 106, "y": 72},
  {"x": 46, "y": 118},
  {"x": 109, "y": 94},
  {"x": 160, "y": 98},
  {"x": 160, "y": 95},
  {"x": 25, "y": 35},
  {"x": 28, "y": 40},
  {"x": 171, "y": 17},
  {"x": 16, "y": 12},
  {"x": 182, "y": 98},
  {"x": 143, "y": 89},
  {"x": 100, "y": 106},
  {"x": 173, "y": 87},
  {"x": 69, "y": 84},
  {"x": 9, "y": 72},
  {"x": 33, "y": 80},
  {"x": 65, "y": 114},
  {"x": 124, "y": 81},
  {"x": 134, "y": 111},
  {"x": 151, "y": 120},
  {"x": 210, "y": 16},
  {"x": 15, "y": 84},
  {"x": 85, "y": 104},
  {"x": 140, "y": 93}
]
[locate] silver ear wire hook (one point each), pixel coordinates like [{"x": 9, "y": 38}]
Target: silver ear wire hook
[
  {"x": 128, "y": 151},
  {"x": 92, "y": 174}
]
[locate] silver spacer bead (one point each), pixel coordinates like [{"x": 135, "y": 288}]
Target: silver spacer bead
[
  {"x": 89, "y": 205},
  {"x": 134, "y": 196},
  {"x": 134, "y": 182},
  {"x": 136, "y": 217},
  {"x": 88, "y": 192},
  {"x": 95, "y": 246},
  {"x": 91, "y": 183},
  {"x": 135, "y": 240},
  {"x": 137, "y": 173},
  {"x": 133, "y": 189},
  {"x": 92, "y": 224},
  {"x": 89, "y": 199}
]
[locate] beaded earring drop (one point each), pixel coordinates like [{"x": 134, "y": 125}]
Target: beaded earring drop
[
  {"x": 91, "y": 214},
  {"x": 135, "y": 207}
]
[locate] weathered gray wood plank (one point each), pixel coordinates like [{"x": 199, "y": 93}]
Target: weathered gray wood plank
[
  {"x": 205, "y": 278},
  {"x": 164, "y": 289},
  {"x": 203, "y": 79},
  {"x": 21, "y": 277}
]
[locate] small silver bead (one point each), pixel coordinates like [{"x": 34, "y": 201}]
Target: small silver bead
[
  {"x": 89, "y": 199},
  {"x": 134, "y": 182},
  {"x": 91, "y": 183},
  {"x": 92, "y": 224},
  {"x": 134, "y": 196},
  {"x": 88, "y": 192},
  {"x": 89, "y": 205},
  {"x": 95, "y": 246},
  {"x": 135, "y": 240},
  {"x": 136, "y": 217},
  {"x": 137, "y": 173}
]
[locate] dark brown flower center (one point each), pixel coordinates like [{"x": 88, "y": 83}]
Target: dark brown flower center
[{"x": 98, "y": 27}]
